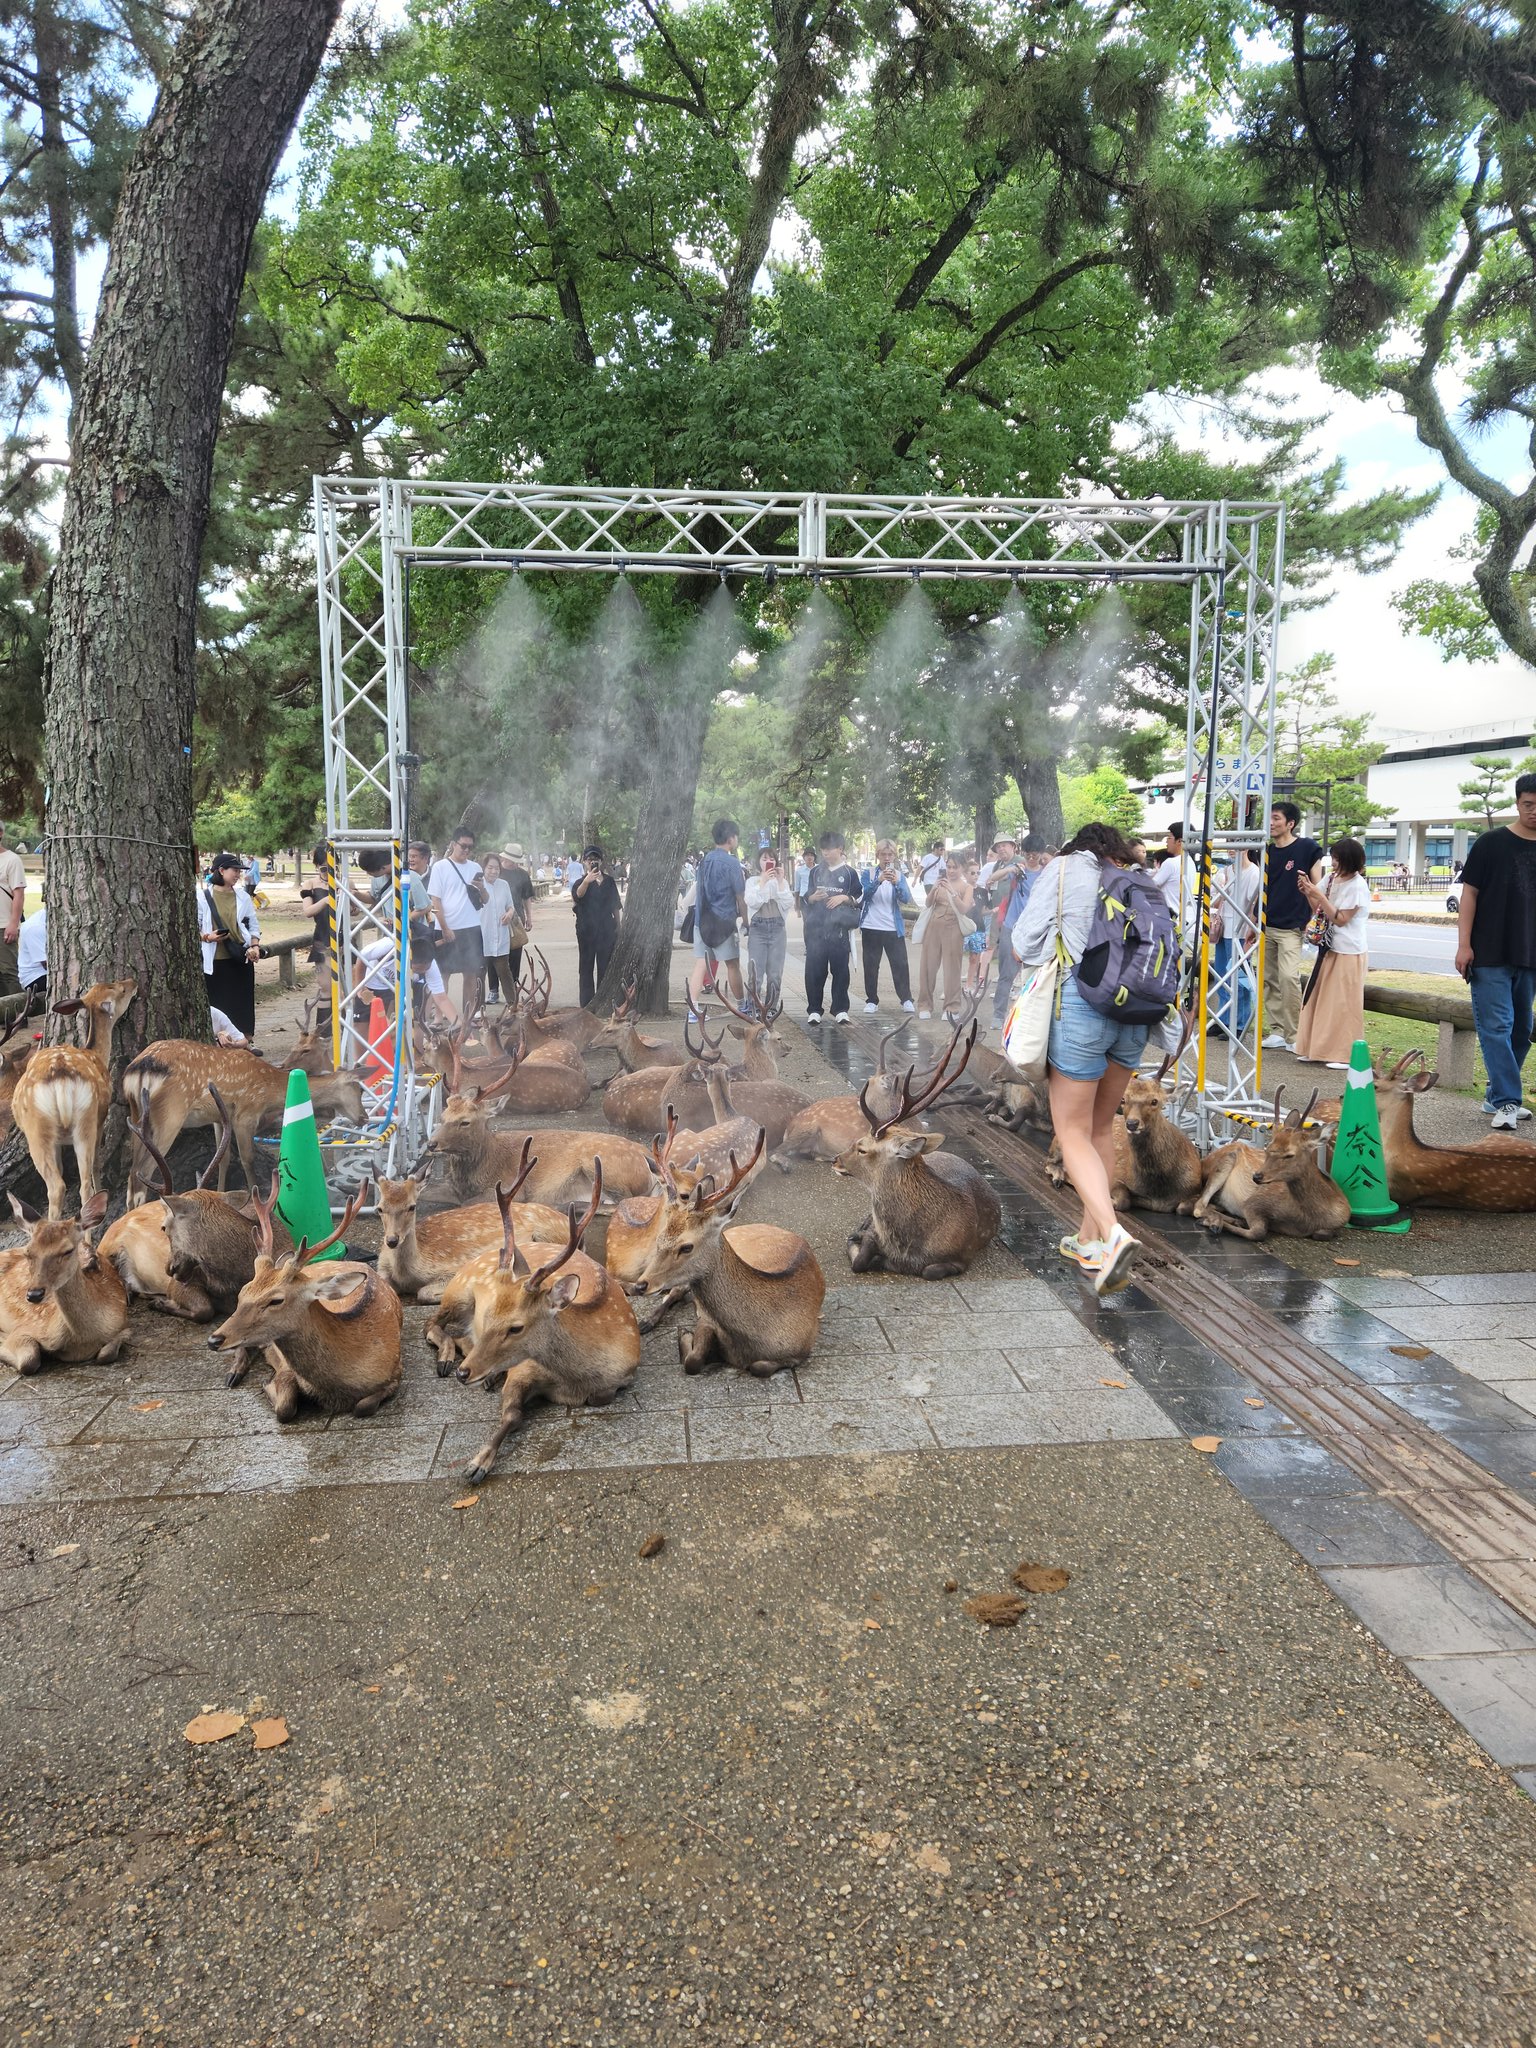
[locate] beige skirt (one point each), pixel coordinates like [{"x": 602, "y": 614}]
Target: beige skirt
[{"x": 1333, "y": 1016}]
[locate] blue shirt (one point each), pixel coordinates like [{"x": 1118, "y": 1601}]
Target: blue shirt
[{"x": 722, "y": 879}]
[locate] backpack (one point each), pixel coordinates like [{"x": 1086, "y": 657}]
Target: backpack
[{"x": 1130, "y": 964}]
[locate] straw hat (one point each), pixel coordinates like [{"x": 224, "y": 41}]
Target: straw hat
[{"x": 514, "y": 852}]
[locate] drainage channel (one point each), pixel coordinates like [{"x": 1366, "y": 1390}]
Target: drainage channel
[{"x": 1487, "y": 1527}]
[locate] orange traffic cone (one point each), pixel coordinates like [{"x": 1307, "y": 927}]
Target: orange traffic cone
[{"x": 381, "y": 1042}]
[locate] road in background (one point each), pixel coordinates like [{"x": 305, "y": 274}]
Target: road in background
[{"x": 1417, "y": 948}]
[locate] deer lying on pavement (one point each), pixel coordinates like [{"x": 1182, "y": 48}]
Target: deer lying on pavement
[
  {"x": 633, "y": 1048},
  {"x": 169, "y": 1086},
  {"x": 581, "y": 1027},
  {"x": 58, "y": 1297},
  {"x": 759, "y": 1289},
  {"x": 561, "y": 1330},
  {"x": 929, "y": 1216},
  {"x": 544, "y": 1088},
  {"x": 563, "y": 1172},
  {"x": 1281, "y": 1189},
  {"x": 754, "y": 1027},
  {"x": 420, "y": 1257},
  {"x": 832, "y": 1125},
  {"x": 1497, "y": 1174},
  {"x": 62, "y": 1093},
  {"x": 638, "y": 1102},
  {"x": 1156, "y": 1165},
  {"x": 683, "y": 1161},
  {"x": 329, "y": 1331}
]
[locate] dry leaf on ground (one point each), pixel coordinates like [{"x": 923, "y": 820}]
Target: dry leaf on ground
[
  {"x": 1410, "y": 1351},
  {"x": 1040, "y": 1578},
  {"x": 872, "y": 1624},
  {"x": 931, "y": 1857},
  {"x": 1346, "y": 1262},
  {"x": 1252, "y": 1401},
  {"x": 271, "y": 1733},
  {"x": 64, "y": 1550},
  {"x": 212, "y": 1727},
  {"x": 653, "y": 1545},
  {"x": 1111, "y": 1383},
  {"x": 1205, "y": 1443},
  {"x": 146, "y": 1407},
  {"x": 468, "y": 1500},
  {"x": 1393, "y": 1273},
  {"x": 995, "y": 1610}
]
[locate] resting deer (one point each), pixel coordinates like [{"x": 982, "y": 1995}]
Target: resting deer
[
  {"x": 169, "y": 1087},
  {"x": 538, "y": 1089},
  {"x": 329, "y": 1331},
  {"x": 581, "y": 1027},
  {"x": 929, "y": 1216},
  {"x": 683, "y": 1161},
  {"x": 638, "y": 1102},
  {"x": 754, "y": 1027},
  {"x": 1496, "y": 1174},
  {"x": 759, "y": 1289},
  {"x": 58, "y": 1298},
  {"x": 1282, "y": 1189},
  {"x": 560, "y": 1330},
  {"x": 420, "y": 1257},
  {"x": 63, "y": 1092},
  {"x": 831, "y": 1126},
  {"x": 1156, "y": 1166},
  {"x": 479, "y": 1157},
  {"x": 13, "y": 1060},
  {"x": 633, "y": 1048}
]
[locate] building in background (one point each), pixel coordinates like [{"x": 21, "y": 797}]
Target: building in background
[{"x": 1417, "y": 780}]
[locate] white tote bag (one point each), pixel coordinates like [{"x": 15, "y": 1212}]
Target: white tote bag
[{"x": 1027, "y": 1033}]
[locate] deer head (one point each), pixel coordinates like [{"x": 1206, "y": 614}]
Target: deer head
[
  {"x": 886, "y": 1143},
  {"x": 688, "y": 1228},
  {"x": 280, "y": 1294},
  {"x": 1292, "y": 1150},
  {"x": 59, "y": 1248},
  {"x": 513, "y": 1305},
  {"x": 104, "y": 1002}
]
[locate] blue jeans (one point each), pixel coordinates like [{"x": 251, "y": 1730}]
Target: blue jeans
[
  {"x": 1503, "y": 999},
  {"x": 1221, "y": 961},
  {"x": 1083, "y": 1041}
]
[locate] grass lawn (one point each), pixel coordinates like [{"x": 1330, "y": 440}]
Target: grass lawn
[{"x": 1397, "y": 1035}]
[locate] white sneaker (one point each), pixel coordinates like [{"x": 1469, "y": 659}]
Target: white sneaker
[
  {"x": 841, "y": 1017},
  {"x": 1506, "y": 1117},
  {"x": 1338, "y": 1066},
  {"x": 924, "y": 1015},
  {"x": 907, "y": 1006},
  {"x": 813, "y": 1016},
  {"x": 1118, "y": 1256},
  {"x": 1492, "y": 1109},
  {"x": 1277, "y": 1040},
  {"x": 870, "y": 1009}
]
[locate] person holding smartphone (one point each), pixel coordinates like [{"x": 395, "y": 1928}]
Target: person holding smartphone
[
  {"x": 882, "y": 931},
  {"x": 598, "y": 908},
  {"x": 769, "y": 901},
  {"x": 231, "y": 936}
]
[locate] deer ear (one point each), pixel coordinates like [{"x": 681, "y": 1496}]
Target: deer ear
[
  {"x": 341, "y": 1293},
  {"x": 563, "y": 1292},
  {"x": 93, "y": 1211},
  {"x": 70, "y": 1008},
  {"x": 25, "y": 1213},
  {"x": 919, "y": 1142}
]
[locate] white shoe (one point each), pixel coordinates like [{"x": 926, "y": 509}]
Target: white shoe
[
  {"x": 1506, "y": 1118},
  {"x": 907, "y": 1006},
  {"x": 1118, "y": 1256},
  {"x": 870, "y": 1009},
  {"x": 924, "y": 1015},
  {"x": 1492, "y": 1109},
  {"x": 1277, "y": 1040},
  {"x": 841, "y": 1017},
  {"x": 1335, "y": 1066},
  {"x": 813, "y": 1016}
]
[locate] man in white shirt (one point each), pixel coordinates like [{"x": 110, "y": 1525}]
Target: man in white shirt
[
  {"x": 931, "y": 866},
  {"x": 32, "y": 951},
  {"x": 13, "y": 897},
  {"x": 1180, "y": 883},
  {"x": 458, "y": 918}
]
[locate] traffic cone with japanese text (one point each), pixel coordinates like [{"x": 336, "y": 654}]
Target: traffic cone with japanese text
[
  {"x": 303, "y": 1201},
  {"x": 1359, "y": 1164}
]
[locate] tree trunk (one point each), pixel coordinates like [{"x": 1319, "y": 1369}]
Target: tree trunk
[
  {"x": 986, "y": 824},
  {"x": 54, "y": 169},
  {"x": 121, "y": 655},
  {"x": 1040, "y": 794}
]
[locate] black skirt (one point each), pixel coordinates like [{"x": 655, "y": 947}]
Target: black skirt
[{"x": 232, "y": 989}]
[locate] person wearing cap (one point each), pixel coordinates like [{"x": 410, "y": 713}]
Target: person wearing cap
[
  {"x": 518, "y": 878},
  {"x": 13, "y": 901}
]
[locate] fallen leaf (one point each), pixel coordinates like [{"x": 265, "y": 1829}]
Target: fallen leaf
[
  {"x": 653, "y": 1545},
  {"x": 469, "y": 1500},
  {"x": 1346, "y": 1262},
  {"x": 1040, "y": 1578},
  {"x": 995, "y": 1610},
  {"x": 1205, "y": 1443},
  {"x": 1393, "y": 1273},
  {"x": 146, "y": 1407},
  {"x": 931, "y": 1857},
  {"x": 951, "y": 1585},
  {"x": 618, "y": 1711},
  {"x": 872, "y": 1624},
  {"x": 1111, "y": 1383},
  {"x": 1410, "y": 1351},
  {"x": 212, "y": 1727},
  {"x": 271, "y": 1733},
  {"x": 591, "y": 1592},
  {"x": 64, "y": 1550},
  {"x": 1252, "y": 1401},
  {"x": 373, "y": 1688}
]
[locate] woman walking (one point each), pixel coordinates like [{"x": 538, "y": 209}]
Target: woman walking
[
  {"x": 1090, "y": 1058},
  {"x": 769, "y": 901},
  {"x": 231, "y": 936},
  {"x": 882, "y": 933},
  {"x": 949, "y": 899},
  {"x": 495, "y": 938},
  {"x": 1333, "y": 1008}
]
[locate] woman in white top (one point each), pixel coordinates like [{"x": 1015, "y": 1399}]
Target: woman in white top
[
  {"x": 882, "y": 931},
  {"x": 1333, "y": 1008},
  {"x": 231, "y": 934},
  {"x": 495, "y": 938},
  {"x": 769, "y": 900}
]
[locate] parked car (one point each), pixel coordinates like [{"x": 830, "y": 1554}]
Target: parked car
[{"x": 1453, "y": 897}]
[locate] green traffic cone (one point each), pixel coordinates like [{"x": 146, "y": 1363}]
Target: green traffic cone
[
  {"x": 303, "y": 1201},
  {"x": 1359, "y": 1165}
]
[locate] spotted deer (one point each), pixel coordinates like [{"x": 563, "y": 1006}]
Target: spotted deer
[
  {"x": 633, "y": 1048},
  {"x": 639, "y": 1102},
  {"x": 538, "y": 1088},
  {"x": 420, "y": 1257},
  {"x": 931, "y": 1213},
  {"x": 560, "y": 1330},
  {"x": 63, "y": 1092},
  {"x": 759, "y": 1289},
  {"x": 58, "y": 1297},
  {"x": 753, "y": 1025},
  {"x": 683, "y": 1160},
  {"x": 581, "y": 1027},
  {"x": 831, "y": 1126},
  {"x": 1281, "y": 1189},
  {"x": 1497, "y": 1174},
  {"x": 330, "y": 1331},
  {"x": 478, "y": 1157}
]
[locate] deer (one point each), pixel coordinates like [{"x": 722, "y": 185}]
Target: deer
[
  {"x": 330, "y": 1331},
  {"x": 542, "y": 1089},
  {"x": 1282, "y": 1189},
  {"x": 639, "y": 1101},
  {"x": 420, "y": 1258},
  {"x": 701, "y": 1156},
  {"x": 561, "y": 1330},
  {"x": 186, "y": 1255},
  {"x": 830, "y": 1126},
  {"x": 634, "y": 1050},
  {"x": 13, "y": 1060},
  {"x": 479, "y": 1157},
  {"x": 759, "y": 1289},
  {"x": 62, "y": 1094},
  {"x": 1156, "y": 1165},
  {"x": 169, "y": 1087},
  {"x": 754, "y": 1027},
  {"x": 1497, "y": 1174},
  {"x": 581, "y": 1027},
  {"x": 931, "y": 1217},
  {"x": 58, "y": 1297}
]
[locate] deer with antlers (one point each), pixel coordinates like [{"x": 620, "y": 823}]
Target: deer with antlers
[
  {"x": 420, "y": 1257},
  {"x": 581, "y": 1027},
  {"x": 683, "y": 1161},
  {"x": 1281, "y": 1189},
  {"x": 330, "y": 1332},
  {"x": 1497, "y": 1174},
  {"x": 58, "y": 1297},
  {"x": 830, "y": 1126},
  {"x": 759, "y": 1289},
  {"x": 561, "y": 1330},
  {"x": 537, "y": 1088},
  {"x": 633, "y": 1048},
  {"x": 478, "y": 1157},
  {"x": 930, "y": 1216},
  {"x": 63, "y": 1092}
]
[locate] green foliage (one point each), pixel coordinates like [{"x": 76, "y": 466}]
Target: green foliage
[
  {"x": 1318, "y": 744},
  {"x": 1489, "y": 789},
  {"x": 1102, "y": 794}
]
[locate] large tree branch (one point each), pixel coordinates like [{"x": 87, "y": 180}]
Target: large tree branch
[
  {"x": 956, "y": 229},
  {"x": 559, "y": 249}
]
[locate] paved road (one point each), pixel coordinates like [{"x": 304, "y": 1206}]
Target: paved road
[{"x": 1419, "y": 948}]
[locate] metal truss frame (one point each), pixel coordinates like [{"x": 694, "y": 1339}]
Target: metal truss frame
[{"x": 369, "y": 534}]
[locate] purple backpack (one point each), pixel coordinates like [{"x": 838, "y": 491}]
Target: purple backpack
[{"x": 1130, "y": 965}]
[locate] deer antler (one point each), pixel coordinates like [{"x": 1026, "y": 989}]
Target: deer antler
[
  {"x": 507, "y": 1197},
  {"x": 541, "y": 995},
  {"x": 264, "y": 1211},
  {"x": 1298, "y": 1117},
  {"x": 307, "y": 1253},
  {"x": 15, "y": 1023},
  {"x": 710, "y": 1048},
  {"x": 708, "y": 1196},
  {"x": 772, "y": 1003},
  {"x": 747, "y": 1016},
  {"x": 1275, "y": 1122},
  {"x": 941, "y": 1078},
  {"x": 141, "y": 1131},
  {"x": 226, "y": 1132},
  {"x": 578, "y": 1231},
  {"x": 661, "y": 1151}
]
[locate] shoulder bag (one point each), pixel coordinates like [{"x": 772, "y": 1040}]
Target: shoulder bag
[{"x": 1037, "y": 999}]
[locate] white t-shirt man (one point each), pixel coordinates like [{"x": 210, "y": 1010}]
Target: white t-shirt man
[
  {"x": 13, "y": 889},
  {"x": 32, "y": 948},
  {"x": 1179, "y": 874},
  {"x": 381, "y": 963},
  {"x": 447, "y": 884}
]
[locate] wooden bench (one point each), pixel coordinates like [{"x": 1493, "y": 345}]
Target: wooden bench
[{"x": 1452, "y": 1014}]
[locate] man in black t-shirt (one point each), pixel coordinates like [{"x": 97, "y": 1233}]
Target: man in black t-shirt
[
  {"x": 834, "y": 903},
  {"x": 1496, "y": 951},
  {"x": 1286, "y": 911}
]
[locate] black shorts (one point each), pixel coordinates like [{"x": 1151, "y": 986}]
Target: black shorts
[{"x": 464, "y": 953}]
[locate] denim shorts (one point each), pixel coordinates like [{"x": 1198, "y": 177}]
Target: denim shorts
[
  {"x": 1083, "y": 1043},
  {"x": 728, "y": 949}
]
